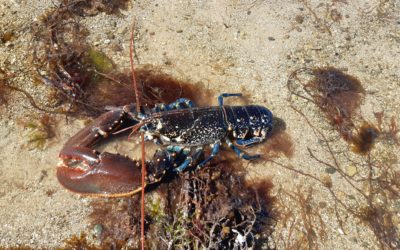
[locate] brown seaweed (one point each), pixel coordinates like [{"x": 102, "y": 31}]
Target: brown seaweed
[
  {"x": 339, "y": 101},
  {"x": 338, "y": 96}
]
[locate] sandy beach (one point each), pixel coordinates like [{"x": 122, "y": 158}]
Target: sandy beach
[{"x": 326, "y": 195}]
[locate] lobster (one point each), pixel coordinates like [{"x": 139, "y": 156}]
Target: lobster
[{"x": 182, "y": 129}]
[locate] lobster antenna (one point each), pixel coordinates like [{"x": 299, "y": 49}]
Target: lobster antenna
[
  {"x": 134, "y": 83},
  {"x": 133, "y": 129}
]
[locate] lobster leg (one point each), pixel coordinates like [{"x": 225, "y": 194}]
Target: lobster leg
[
  {"x": 214, "y": 152},
  {"x": 189, "y": 159},
  {"x": 249, "y": 142},
  {"x": 221, "y": 97},
  {"x": 181, "y": 103},
  {"x": 240, "y": 153}
]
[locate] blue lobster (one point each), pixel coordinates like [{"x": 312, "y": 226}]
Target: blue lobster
[{"x": 183, "y": 129}]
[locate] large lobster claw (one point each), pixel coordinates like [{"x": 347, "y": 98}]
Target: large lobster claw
[{"x": 85, "y": 171}]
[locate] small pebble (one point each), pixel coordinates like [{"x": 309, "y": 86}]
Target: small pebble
[
  {"x": 351, "y": 170},
  {"x": 97, "y": 230},
  {"x": 326, "y": 180},
  {"x": 299, "y": 19},
  {"x": 330, "y": 170}
]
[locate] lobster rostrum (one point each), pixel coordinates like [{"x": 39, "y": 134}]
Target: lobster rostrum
[{"x": 182, "y": 129}]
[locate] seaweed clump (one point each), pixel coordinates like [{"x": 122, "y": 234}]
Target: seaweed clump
[
  {"x": 79, "y": 242},
  {"x": 85, "y": 80},
  {"x": 94, "y": 7},
  {"x": 214, "y": 207},
  {"x": 119, "y": 221},
  {"x": 40, "y": 130},
  {"x": 374, "y": 192},
  {"x": 364, "y": 140},
  {"x": 64, "y": 59},
  {"x": 338, "y": 96}
]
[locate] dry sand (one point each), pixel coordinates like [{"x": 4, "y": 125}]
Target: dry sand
[{"x": 227, "y": 46}]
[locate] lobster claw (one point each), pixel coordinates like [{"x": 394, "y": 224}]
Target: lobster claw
[{"x": 88, "y": 172}]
